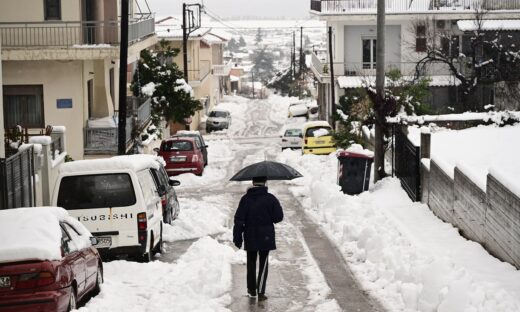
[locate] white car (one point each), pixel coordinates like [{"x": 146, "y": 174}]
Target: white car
[
  {"x": 292, "y": 138},
  {"x": 118, "y": 202},
  {"x": 298, "y": 109},
  {"x": 218, "y": 119}
]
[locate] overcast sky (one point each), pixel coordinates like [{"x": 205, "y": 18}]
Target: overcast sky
[{"x": 238, "y": 8}]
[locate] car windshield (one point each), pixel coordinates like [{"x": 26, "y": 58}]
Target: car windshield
[
  {"x": 218, "y": 114},
  {"x": 292, "y": 132},
  {"x": 317, "y": 131},
  {"x": 96, "y": 191},
  {"x": 177, "y": 146}
]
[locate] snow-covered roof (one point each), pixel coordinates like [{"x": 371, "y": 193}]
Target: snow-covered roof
[
  {"x": 35, "y": 233},
  {"x": 130, "y": 162},
  {"x": 472, "y": 25},
  {"x": 349, "y": 82}
]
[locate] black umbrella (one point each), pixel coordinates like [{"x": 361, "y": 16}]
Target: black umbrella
[{"x": 270, "y": 169}]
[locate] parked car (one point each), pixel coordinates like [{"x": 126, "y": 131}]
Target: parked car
[
  {"x": 218, "y": 119},
  {"x": 198, "y": 139},
  {"x": 118, "y": 200},
  {"x": 317, "y": 138},
  {"x": 169, "y": 201},
  {"x": 292, "y": 138},
  {"x": 297, "y": 109},
  {"x": 312, "y": 110},
  {"x": 182, "y": 155},
  {"x": 47, "y": 260}
]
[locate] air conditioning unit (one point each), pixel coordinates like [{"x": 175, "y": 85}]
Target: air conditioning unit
[{"x": 441, "y": 24}]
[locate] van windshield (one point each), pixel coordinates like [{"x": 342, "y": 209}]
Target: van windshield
[{"x": 96, "y": 191}]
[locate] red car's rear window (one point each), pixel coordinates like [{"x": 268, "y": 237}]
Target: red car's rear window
[{"x": 170, "y": 146}]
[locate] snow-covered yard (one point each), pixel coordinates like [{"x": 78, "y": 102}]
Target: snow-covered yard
[{"x": 408, "y": 258}]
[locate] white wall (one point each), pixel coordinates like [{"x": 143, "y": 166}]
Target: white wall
[{"x": 353, "y": 46}]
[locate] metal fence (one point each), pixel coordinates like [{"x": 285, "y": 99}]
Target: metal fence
[
  {"x": 68, "y": 34},
  {"x": 407, "y": 165},
  {"x": 397, "y": 6},
  {"x": 17, "y": 185}
]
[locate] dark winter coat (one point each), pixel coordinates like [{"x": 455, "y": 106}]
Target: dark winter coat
[{"x": 255, "y": 217}]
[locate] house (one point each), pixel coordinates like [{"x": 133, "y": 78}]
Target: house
[
  {"x": 61, "y": 67},
  {"x": 207, "y": 72},
  {"x": 353, "y": 24}
]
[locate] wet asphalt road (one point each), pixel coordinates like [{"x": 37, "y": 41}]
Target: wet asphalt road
[{"x": 298, "y": 238}]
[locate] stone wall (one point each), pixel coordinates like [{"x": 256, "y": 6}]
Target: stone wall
[
  {"x": 491, "y": 217},
  {"x": 502, "y": 222}
]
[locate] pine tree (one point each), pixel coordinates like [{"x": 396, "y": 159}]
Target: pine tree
[
  {"x": 241, "y": 42},
  {"x": 258, "y": 37},
  {"x": 232, "y": 45},
  {"x": 171, "y": 97},
  {"x": 263, "y": 68}
]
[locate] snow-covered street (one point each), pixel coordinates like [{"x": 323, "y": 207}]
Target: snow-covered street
[{"x": 373, "y": 252}]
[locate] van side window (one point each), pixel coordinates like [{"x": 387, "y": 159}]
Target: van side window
[{"x": 147, "y": 185}]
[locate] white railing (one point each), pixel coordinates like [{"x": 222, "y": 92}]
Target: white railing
[{"x": 222, "y": 69}]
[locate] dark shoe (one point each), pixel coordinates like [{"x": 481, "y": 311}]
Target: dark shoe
[
  {"x": 251, "y": 294},
  {"x": 262, "y": 297}
]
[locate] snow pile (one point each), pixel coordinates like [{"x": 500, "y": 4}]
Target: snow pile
[
  {"x": 475, "y": 150},
  {"x": 196, "y": 282},
  {"x": 105, "y": 122},
  {"x": 183, "y": 86},
  {"x": 136, "y": 163},
  {"x": 35, "y": 234},
  {"x": 404, "y": 255},
  {"x": 41, "y": 139},
  {"x": 148, "y": 89},
  {"x": 199, "y": 217}
]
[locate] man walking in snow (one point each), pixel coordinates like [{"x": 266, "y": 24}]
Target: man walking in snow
[{"x": 256, "y": 214}]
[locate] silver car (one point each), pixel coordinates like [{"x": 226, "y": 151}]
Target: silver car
[
  {"x": 218, "y": 120},
  {"x": 292, "y": 138}
]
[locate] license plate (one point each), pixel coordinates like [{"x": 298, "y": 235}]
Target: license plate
[
  {"x": 5, "y": 281},
  {"x": 320, "y": 142},
  {"x": 104, "y": 242},
  {"x": 295, "y": 143},
  {"x": 177, "y": 159}
]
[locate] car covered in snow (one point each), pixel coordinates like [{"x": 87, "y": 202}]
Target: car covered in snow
[
  {"x": 199, "y": 140},
  {"x": 292, "y": 137},
  {"x": 48, "y": 261},
  {"x": 298, "y": 109},
  {"x": 182, "y": 155},
  {"x": 118, "y": 200},
  {"x": 218, "y": 119},
  {"x": 317, "y": 138}
]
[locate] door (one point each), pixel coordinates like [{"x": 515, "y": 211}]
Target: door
[
  {"x": 90, "y": 97},
  {"x": 89, "y": 21},
  {"x": 91, "y": 261},
  {"x": 74, "y": 259}
]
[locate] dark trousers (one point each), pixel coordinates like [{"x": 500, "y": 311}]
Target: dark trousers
[{"x": 252, "y": 282}]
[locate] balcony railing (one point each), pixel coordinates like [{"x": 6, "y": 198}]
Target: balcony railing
[
  {"x": 406, "y": 69},
  {"x": 104, "y": 140},
  {"x": 71, "y": 34},
  {"x": 200, "y": 73},
  {"x": 407, "y": 6},
  {"x": 222, "y": 70}
]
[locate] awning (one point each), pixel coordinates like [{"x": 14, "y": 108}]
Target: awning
[
  {"x": 472, "y": 25},
  {"x": 351, "y": 82}
]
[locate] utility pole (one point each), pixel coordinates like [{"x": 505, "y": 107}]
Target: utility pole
[
  {"x": 184, "y": 43},
  {"x": 293, "y": 55},
  {"x": 301, "y": 49},
  {"x": 253, "y": 82},
  {"x": 123, "y": 63},
  {"x": 332, "y": 86},
  {"x": 379, "y": 151}
]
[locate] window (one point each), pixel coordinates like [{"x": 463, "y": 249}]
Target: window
[
  {"x": 75, "y": 237},
  {"x": 369, "y": 53},
  {"x": 293, "y": 133},
  {"x": 96, "y": 191},
  {"x": 23, "y": 105},
  {"x": 317, "y": 131},
  {"x": 219, "y": 114},
  {"x": 52, "y": 9},
  {"x": 177, "y": 146},
  {"x": 147, "y": 186},
  {"x": 420, "y": 38}
]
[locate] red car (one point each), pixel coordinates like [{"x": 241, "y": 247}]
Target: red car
[
  {"x": 182, "y": 155},
  {"x": 47, "y": 261}
]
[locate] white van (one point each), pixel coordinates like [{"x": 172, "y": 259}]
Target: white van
[{"x": 117, "y": 200}]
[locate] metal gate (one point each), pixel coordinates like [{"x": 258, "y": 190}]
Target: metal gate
[
  {"x": 407, "y": 164},
  {"x": 17, "y": 187}
]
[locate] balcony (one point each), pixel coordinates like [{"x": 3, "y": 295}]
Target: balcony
[
  {"x": 222, "y": 70},
  {"x": 197, "y": 76},
  {"x": 409, "y": 6},
  {"x": 58, "y": 34},
  {"x": 406, "y": 69},
  {"x": 103, "y": 140},
  {"x": 320, "y": 69}
]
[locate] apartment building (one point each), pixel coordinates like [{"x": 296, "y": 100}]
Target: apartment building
[
  {"x": 354, "y": 40},
  {"x": 61, "y": 67},
  {"x": 207, "y": 72}
]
